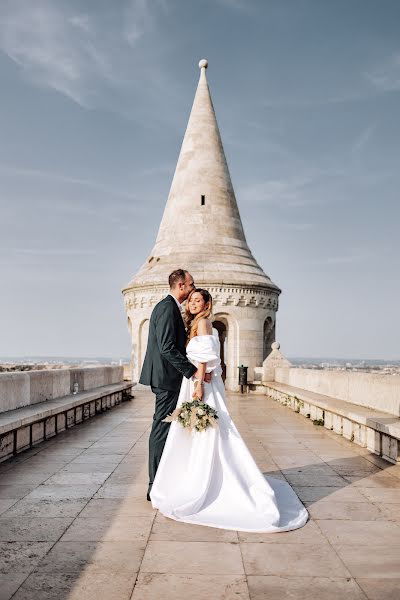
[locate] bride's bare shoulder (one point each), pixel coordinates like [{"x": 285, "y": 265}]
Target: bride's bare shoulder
[{"x": 204, "y": 327}]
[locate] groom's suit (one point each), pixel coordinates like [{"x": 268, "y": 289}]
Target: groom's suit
[{"x": 164, "y": 366}]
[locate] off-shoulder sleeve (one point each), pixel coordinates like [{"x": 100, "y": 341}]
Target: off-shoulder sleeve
[{"x": 204, "y": 349}]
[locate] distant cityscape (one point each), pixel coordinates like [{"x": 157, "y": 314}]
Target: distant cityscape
[
  {"x": 389, "y": 367},
  {"x": 28, "y": 363}
]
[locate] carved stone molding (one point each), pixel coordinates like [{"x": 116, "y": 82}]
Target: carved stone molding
[{"x": 147, "y": 297}]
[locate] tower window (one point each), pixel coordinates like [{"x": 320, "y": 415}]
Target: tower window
[{"x": 203, "y": 200}]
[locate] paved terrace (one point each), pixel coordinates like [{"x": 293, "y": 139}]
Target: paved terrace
[{"x": 74, "y": 523}]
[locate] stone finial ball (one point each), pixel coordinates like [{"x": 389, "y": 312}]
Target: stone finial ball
[
  {"x": 203, "y": 63},
  {"x": 275, "y": 346}
]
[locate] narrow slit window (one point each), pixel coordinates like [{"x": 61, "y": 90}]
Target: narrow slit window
[{"x": 203, "y": 200}]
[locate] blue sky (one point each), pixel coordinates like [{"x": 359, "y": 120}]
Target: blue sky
[{"x": 94, "y": 103}]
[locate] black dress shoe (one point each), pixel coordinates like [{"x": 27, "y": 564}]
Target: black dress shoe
[{"x": 148, "y": 497}]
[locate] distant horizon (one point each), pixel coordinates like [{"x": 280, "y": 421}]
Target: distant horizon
[{"x": 127, "y": 359}]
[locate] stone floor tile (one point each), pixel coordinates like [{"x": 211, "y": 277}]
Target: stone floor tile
[
  {"x": 5, "y": 504},
  {"x": 263, "y": 587},
  {"x": 370, "y": 562},
  {"x": 107, "y": 459},
  {"x": 74, "y": 557},
  {"x": 380, "y": 589},
  {"x": 390, "y": 512},
  {"x": 309, "y": 534},
  {"x": 108, "y": 508},
  {"x": 10, "y": 582},
  {"x": 15, "y": 491},
  {"x": 63, "y": 492},
  {"x": 134, "y": 490},
  {"x": 74, "y": 467},
  {"x": 378, "y": 480},
  {"x": 292, "y": 560},
  {"x": 65, "y": 478},
  {"x": 316, "y": 493},
  {"x": 311, "y": 476},
  {"x": 26, "y": 476},
  {"x": 382, "y": 495},
  {"x": 379, "y": 533},
  {"x": 350, "y": 511},
  {"x": 27, "y": 529},
  {"x": 120, "y": 528},
  {"x": 201, "y": 558},
  {"x": 168, "y": 530},
  {"x": 28, "y": 507},
  {"x": 151, "y": 586},
  {"x": 87, "y": 585},
  {"x": 21, "y": 556}
]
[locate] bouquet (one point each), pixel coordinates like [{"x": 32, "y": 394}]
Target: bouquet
[{"x": 195, "y": 415}]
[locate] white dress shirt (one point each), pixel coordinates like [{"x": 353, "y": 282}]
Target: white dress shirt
[{"x": 179, "y": 305}]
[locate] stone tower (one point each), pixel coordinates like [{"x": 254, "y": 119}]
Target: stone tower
[{"x": 201, "y": 231}]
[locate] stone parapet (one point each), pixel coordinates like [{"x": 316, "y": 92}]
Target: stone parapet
[
  {"x": 366, "y": 427},
  {"x": 32, "y": 387},
  {"x": 372, "y": 390},
  {"x": 27, "y": 426}
]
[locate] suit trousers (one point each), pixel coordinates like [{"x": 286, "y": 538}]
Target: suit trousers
[{"x": 166, "y": 402}]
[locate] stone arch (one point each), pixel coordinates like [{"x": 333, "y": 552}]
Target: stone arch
[
  {"x": 222, "y": 329},
  {"x": 268, "y": 336},
  {"x": 227, "y": 325}
]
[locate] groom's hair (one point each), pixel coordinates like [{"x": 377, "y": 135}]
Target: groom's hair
[{"x": 176, "y": 277}]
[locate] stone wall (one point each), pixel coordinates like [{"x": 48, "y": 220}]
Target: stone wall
[
  {"x": 373, "y": 390},
  {"x": 31, "y": 387}
]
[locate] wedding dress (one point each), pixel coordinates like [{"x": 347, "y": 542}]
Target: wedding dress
[{"x": 209, "y": 477}]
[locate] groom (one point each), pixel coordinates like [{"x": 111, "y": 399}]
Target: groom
[{"x": 165, "y": 362}]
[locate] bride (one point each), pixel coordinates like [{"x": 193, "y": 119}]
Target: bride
[{"x": 209, "y": 477}]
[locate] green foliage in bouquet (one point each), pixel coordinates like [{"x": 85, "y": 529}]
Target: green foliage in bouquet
[{"x": 195, "y": 415}]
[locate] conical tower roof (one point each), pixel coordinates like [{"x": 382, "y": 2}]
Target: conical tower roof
[{"x": 201, "y": 229}]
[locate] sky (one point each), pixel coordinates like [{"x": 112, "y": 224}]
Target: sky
[{"x": 95, "y": 98}]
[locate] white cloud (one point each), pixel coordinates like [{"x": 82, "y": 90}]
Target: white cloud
[
  {"x": 280, "y": 192},
  {"x": 71, "y": 52},
  {"x": 140, "y": 16},
  {"x": 386, "y": 77},
  {"x": 362, "y": 140},
  {"x": 58, "y": 177},
  {"x": 353, "y": 256}
]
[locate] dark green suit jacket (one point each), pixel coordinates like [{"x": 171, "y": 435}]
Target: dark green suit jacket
[{"x": 165, "y": 362}]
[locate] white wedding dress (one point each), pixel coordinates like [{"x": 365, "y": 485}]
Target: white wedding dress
[{"x": 209, "y": 477}]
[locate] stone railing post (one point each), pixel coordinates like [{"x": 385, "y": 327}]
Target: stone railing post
[{"x": 273, "y": 361}]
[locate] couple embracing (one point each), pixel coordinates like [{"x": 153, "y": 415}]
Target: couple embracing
[{"x": 203, "y": 477}]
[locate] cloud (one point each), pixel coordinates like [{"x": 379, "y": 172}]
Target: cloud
[
  {"x": 354, "y": 256},
  {"x": 140, "y": 16},
  {"x": 386, "y": 77},
  {"x": 72, "y": 52},
  {"x": 57, "y": 177},
  {"x": 287, "y": 193},
  {"x": 237, "y": 5},
  {"x": 362, "y": 140}
]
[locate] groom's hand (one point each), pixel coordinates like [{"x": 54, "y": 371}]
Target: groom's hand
[{"x": 207, "y": 376}]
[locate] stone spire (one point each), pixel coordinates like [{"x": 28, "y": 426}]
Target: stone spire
[{"x": 201, "y": 229}]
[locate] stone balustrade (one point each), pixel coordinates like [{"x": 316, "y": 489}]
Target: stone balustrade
[
  {"x": 20, "y": 389},
  {"x": 372, "y": 390}
]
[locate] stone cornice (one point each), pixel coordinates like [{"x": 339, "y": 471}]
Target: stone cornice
[{"x": 223, "y": 295}]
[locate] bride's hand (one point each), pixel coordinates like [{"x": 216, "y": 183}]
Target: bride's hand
[{"x": 198, "y": 391}]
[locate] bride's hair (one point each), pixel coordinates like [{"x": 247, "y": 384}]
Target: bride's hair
[{"x": 192, "y": 321}]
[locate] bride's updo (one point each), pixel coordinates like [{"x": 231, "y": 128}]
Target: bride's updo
[{"x": 192, "y": 321}]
